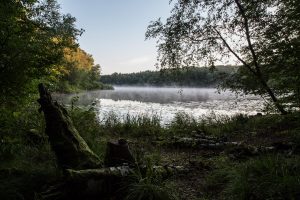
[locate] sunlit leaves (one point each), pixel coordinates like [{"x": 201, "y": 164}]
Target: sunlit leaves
[{"x": 33, "y": 35}]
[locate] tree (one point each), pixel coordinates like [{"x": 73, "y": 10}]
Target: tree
[
  {"x": 33, "y": 35},
  {"x": 77, "y": 71},
  {"x": 261, "y": 36}
]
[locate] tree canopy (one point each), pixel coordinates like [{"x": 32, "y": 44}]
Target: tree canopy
[
  {"x": 262, "y": 36},
  {"x": 38, "y": 43},
  {"x": 76, "y": 71},
  {"x": 33, "y": 36}
]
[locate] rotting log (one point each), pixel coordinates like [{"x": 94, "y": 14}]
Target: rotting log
[
  {"x": 233, "y": 149},
  {"x": 121, "y": 171},
  {"x": 109, "y": 180},
  {"x": 102, "y": 182},
  {"x": 70, "y": 148},
  {"x": 101, "y": 173},
  {"x": 198, "y": 142}
]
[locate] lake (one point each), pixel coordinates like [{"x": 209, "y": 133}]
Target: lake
[{"x": 166, "y": 102}]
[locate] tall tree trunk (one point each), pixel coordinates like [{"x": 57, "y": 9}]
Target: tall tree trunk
[
  {"x": 257, "y": 71},
  {"x": 272, "y": 95}
]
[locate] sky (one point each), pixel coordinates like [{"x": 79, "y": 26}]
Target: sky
[{"x": 115, "y": 31}]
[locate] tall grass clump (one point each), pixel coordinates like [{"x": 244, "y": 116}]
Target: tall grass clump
[
  {"x": 142, "y": 125},
  {"x": 213, "y": 124},
  {"x": 87, "y": 123},
  {"x": 267, "y": 177},
  {"x": 129, "y": 125},
  {"x": 146, "y": 184},
  {"x": 111, "y": 122},
  {"x": 183, "y": 124}
]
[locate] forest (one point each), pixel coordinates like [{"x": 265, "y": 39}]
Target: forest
[
  {"x": 38, "y": 44},
  {"x": 189, "y": 76},
  {"x": 51, "y": 150}
]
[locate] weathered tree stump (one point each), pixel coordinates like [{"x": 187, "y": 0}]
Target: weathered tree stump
[
  {"x": 70, "y": 148},
  {"x": 118, "y": 153}
]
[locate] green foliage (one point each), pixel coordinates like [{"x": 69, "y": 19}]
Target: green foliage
[
  {"x": 148, "y": 185},
  {"x": 24, "y": 183},
  {"x": 143, "y": 126},
  {"x": 249, "y": 126},
  {"x": 16, "y": 129},
  {"x": 262, "y": 36},
  {"x": 77, "y": 72},
  {"x": 27, "y": 161},
  {"x": 183, "y": 124},
  {"x": 33, "y": 35},
  {"x": 87, "y": 124},
  {"x": 38, "y": 44},
  {"x": 267, "y": 177},
  {"x": 192, "y": 77},
  {"x": 138, "y": 126}
]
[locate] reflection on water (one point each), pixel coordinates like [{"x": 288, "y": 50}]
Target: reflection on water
[
  {"x": 166, "y": 102},
  {"x": 155, "y": 95}
]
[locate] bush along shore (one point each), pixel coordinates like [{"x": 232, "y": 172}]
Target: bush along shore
[{"x": 242, "y": 157}]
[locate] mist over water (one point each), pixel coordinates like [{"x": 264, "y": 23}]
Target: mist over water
[
  {"x": 155, "y": 94},
  {"x": 166, "y": 102}
]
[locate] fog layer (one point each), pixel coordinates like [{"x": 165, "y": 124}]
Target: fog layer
[{"x": 166, "y": 102}]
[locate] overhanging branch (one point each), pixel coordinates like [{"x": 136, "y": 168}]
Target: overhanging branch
[
  {"x": 233, "y": 52},
  {"x": 247, "y": 32}
]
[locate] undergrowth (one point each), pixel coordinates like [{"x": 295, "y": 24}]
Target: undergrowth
[
  {"x": 28, "y": 163},
  {"x": 147, "y": 184},
  {"x": 26, "y": 159},
  {"x": 264, "y": 177}
]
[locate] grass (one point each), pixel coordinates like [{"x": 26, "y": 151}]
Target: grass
[
  {"x": 238, "y": 127},
  {"x": 183, "y": 124},
  {"x": 27, "y": 161},
  {"x": 137, "y": 126},
  {"x": 85, "y": 121},
  {"x": 265, "y": 177},
  {"x": 146, "y": 184}
]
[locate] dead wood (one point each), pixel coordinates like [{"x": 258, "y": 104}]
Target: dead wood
[{"x": 70, "y": 148}]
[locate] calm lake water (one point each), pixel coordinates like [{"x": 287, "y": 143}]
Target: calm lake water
[{"x": 166, "y": 102}]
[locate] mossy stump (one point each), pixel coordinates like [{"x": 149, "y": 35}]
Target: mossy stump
[{"x": 71, "y": 151}]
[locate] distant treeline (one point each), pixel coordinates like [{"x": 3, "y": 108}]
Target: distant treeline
[{"x": 191, "y": 77}]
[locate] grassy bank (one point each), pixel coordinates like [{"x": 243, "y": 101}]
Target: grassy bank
[{"x": 28, "y": 164}]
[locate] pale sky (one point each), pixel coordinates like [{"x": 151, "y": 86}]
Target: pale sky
[{"x": 115, "y": 31}]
